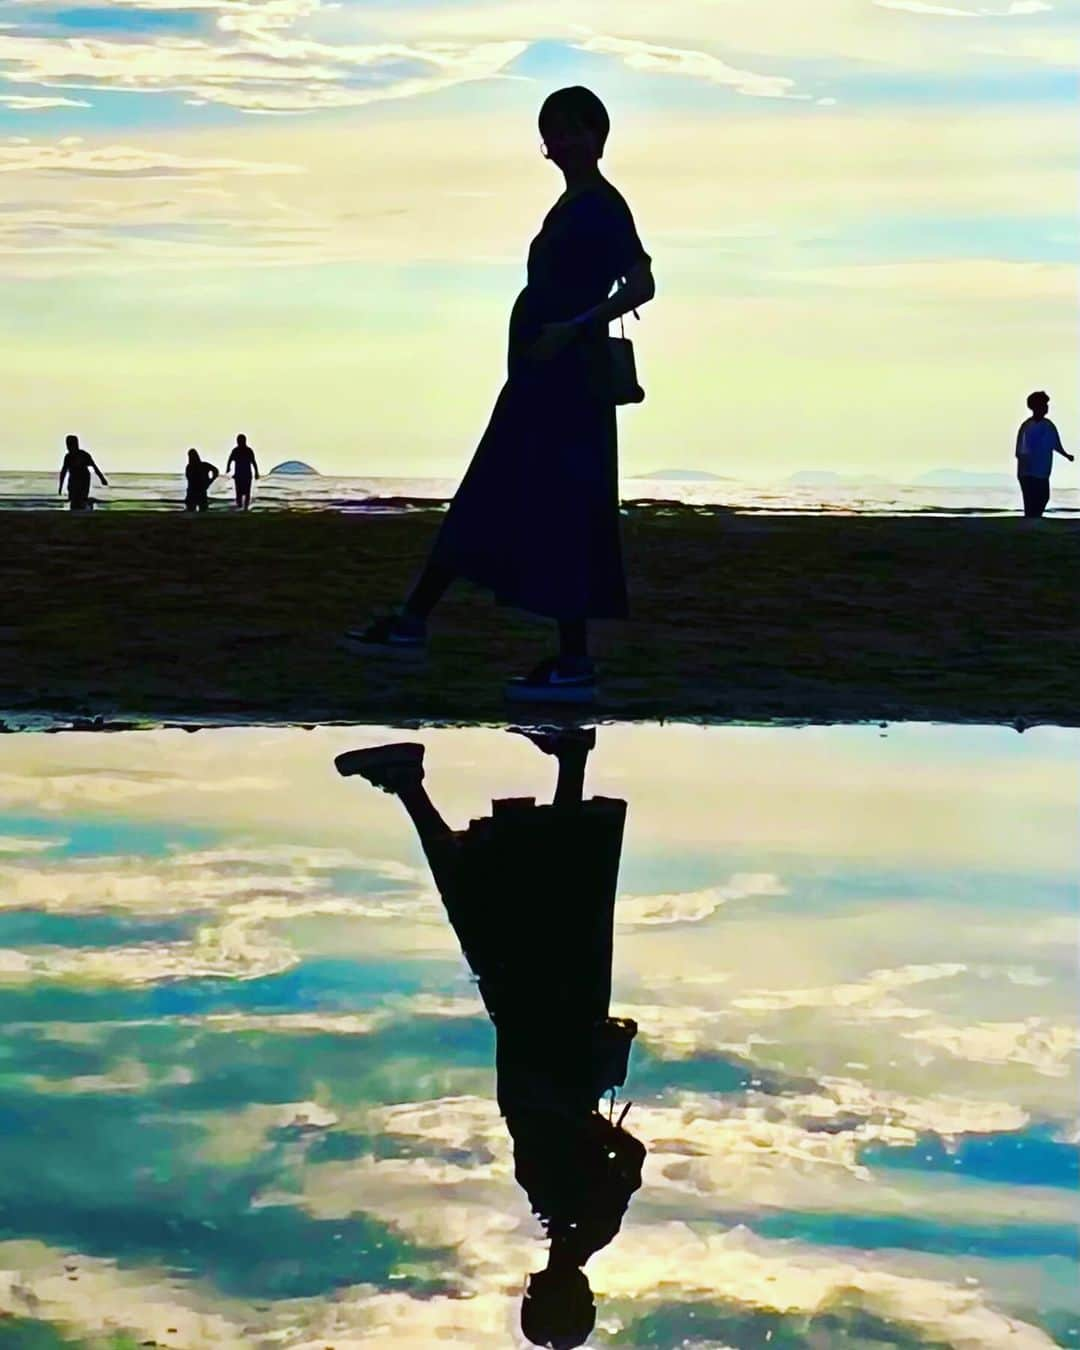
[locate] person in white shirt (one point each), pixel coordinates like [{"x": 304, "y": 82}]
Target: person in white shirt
[{"x": 1037, "y": 442}]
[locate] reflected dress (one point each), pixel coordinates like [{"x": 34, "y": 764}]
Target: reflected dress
[{"x": 536, "y": 518}]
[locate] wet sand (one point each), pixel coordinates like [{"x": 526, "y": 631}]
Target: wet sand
[{"x": 235, "y": 618}]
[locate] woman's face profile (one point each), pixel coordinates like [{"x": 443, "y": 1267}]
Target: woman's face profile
[{"x": 570, "y": 143}]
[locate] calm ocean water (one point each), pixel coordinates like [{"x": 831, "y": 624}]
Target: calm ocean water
[
  {"x": 37, "y": 491},
  {"x": 248, "y": 1084}
]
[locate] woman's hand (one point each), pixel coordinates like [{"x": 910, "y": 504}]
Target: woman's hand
[{"x": 554, "y": 338}]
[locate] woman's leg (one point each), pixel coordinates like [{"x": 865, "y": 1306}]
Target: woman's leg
[
  {"x": 573, "y": 640},
  {"x": 430, "y": 587}
]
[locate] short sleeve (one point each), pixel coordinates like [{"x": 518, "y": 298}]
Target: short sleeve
[{"x": 618, "y": 238}]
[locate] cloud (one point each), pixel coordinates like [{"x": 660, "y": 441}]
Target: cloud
[
  {"x": 654, "y": 59},
  {"x": 1017, "y": 9},
  {"x": 37, "y": 103},
  {"x": 73, "y": 156},
  {"x": 255, "y": 64},
  {"x": 694, "y": 906}
]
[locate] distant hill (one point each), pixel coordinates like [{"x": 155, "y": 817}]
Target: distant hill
[
  {"x": 970, "y": 478},
  {"x": 294, "y": 467},
  {"x": 683, "y": 476}
]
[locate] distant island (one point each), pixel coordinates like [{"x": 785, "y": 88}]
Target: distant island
[
  {"x": 683, "y": 476},
  {"x": 294, "y": 467}
]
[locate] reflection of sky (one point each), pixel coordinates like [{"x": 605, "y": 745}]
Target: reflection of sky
[{"x": 246, "y": 1078}]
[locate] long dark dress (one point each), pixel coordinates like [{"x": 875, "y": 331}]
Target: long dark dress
[{"x": 536, "y": 518}]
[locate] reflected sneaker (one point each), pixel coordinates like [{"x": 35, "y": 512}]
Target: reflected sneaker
[
  {"x": 555, "y": 681},
  {"x": 558, "y": 740},
  {"x": 389, "y": 767},
  {"x": 394, "y": 632}
]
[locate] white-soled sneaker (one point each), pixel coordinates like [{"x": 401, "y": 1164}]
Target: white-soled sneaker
[
  {"x": 398, "y": 633},
  {"x": 554, "y": 681}
]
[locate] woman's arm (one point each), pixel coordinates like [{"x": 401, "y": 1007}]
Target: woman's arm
[
  {"x": 101, "y": 477},
  {"x": 639, "y": 290},
  {"x": 63, "y": 475}
]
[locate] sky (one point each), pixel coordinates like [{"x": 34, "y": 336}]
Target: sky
[
  {"x": 308, "y": 220},
  {"x": 850, "y": 953}
]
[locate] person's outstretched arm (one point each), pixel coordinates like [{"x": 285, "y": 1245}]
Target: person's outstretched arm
[
  {"x": 101, "y": 477},
  {"x": 63, "y": 475},
  {"x": 229, "y": 461},
  {"x": 213, "y": 474},
  {"x": 1059, "y": 448}
]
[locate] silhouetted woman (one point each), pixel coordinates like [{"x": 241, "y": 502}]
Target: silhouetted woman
[
  {"x": 76, "y": 469},
  {"x": 200, "y": 473},
  {"x": 536, "y": 518},
  {"x": 243, "y": 464},
  {"x": 530, "y": 891}
]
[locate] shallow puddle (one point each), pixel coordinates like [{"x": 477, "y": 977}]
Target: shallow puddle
[{"x": 248, "y": 1076}]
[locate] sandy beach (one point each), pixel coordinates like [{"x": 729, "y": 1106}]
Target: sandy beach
[{"x": 235, "y": 618}]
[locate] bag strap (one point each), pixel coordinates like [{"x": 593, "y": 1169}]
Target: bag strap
[{"x": 622, "y": 327}]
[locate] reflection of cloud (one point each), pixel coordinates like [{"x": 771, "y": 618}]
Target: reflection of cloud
[
  {"x": 749, "y": 1273},
  {"x": 10, "y": 843},
  {"x": 870, "y": 996},
  {"x": 693, "y": 906},
  {"x": 1035, "y": 1042},
  {"x": 727, "y": 1157},
  {"x": 241, "y": 896},
  {"x": 58, "y": 791}
]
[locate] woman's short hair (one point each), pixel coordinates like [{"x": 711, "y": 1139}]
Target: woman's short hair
[
  {"x": 558, "y": 1309},
  {"x": 1037, "y": 399},
  {"x": 576, "y": 104}
]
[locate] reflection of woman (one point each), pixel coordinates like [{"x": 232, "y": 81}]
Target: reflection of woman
[
  {"x": 536, "y": 518},
  {"x": 200, "y": 473},
  {"x": 530, "y": 891}
]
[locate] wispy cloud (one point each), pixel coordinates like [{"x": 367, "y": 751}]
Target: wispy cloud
[
  {"x": 73, "y": 155},
  {"x": 653, "y": 59}
]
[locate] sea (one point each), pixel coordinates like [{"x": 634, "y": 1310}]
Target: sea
[{"x": 351, "y": 494}]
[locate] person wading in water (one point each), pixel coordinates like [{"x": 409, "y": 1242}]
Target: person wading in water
[
  {"x": 536, "y": 517},
  {"x": 200, "y": 473},
  {"x": 76, "y": 469}
]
